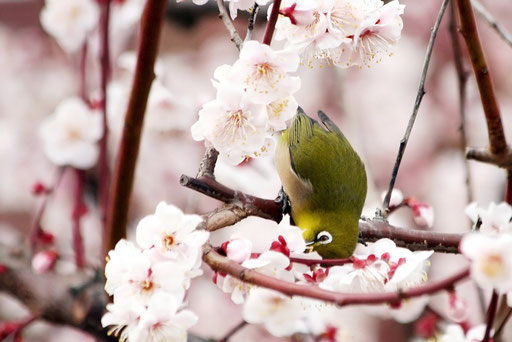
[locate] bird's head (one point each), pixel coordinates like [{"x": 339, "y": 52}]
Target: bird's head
[{"x": 331, "y": 235}]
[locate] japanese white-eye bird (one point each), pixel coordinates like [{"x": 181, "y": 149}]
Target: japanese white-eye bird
[{"x": 325, "y": 181}]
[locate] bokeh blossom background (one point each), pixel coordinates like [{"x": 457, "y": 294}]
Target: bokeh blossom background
[{"x": 370, "y": 105}]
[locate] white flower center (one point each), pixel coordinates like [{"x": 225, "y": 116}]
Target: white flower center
[
  {"x": 169, "y": 241},
  {"x": 493, "y": 265},
  {"x": 235, "y": 125}
]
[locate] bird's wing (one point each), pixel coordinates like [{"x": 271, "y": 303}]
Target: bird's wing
[{"x": 323, "y": 158}]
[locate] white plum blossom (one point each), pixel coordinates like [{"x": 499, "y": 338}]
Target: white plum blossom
[
  {"x": 496, "y": 219},
  {"x": 130, "y": 272},
  {"x": 380, "y": 267},
  {"x": 122, "y": 316},
  {"x": 163, "y": 321},
  {"x": 172, "y": 234},
  {"x": 343, "y": 32},
  {"x": 148, "y": 285},
  {"x": 70, "y": 135},
  {"x": 160, "y": 320},
  {"x": 69, "y": 21},
  {"x": 271, "y": 263},
  {"x": 238, "y": 249},
  {"x": 263, "y": 72},
  {"x": 280, "y": 112},
  {"x": 243, "y": 5},
  {"x": 455, "y": 333},
  {"x": 372, "y": 26},
  {"x": 491, "y": 259},
  {"x": 234, "y": 124},
  {"x": 280, "y": 314}
]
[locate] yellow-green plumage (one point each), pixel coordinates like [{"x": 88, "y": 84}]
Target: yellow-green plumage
[{"x": 325, "y": 181}]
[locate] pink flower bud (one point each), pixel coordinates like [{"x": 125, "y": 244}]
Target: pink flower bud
[
  {"x": 457, "y": 308},
  {"x": 39, "y": 188},
  {"x": 238, "y": 249},
  {"x": 44, "y": 261},
  {"x": 423, "y": 212}
]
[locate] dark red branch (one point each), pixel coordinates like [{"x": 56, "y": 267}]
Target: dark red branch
[
  {"x": 222, "y": 264},
  {"x": 272, "y": 20},
  {"x": 79, "y": 210},
  {"x": 103, "y": 167},
  {"x": 124, "y": 170},
  {"x": 498, "y": 144}
]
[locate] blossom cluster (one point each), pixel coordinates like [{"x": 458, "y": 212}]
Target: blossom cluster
[
  {"x": 148, "y": 281},
  {"x": 490, "y": 247},
  {"x": 342, "y": 32},
  {"x": 254, "y": 100},
  {"x": 379, "y": 267}
]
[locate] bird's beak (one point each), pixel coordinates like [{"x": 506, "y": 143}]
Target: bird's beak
[{"x": 309, "y": 246}]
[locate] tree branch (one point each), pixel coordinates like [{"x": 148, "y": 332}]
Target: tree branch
[
  {"x": 462, "y": 78},
  {"x": 103, "y": 167},
  {"x": 492, "y": 22},
  {"x": 226, "y": 19},
  {"x": 223, "y": 264},
  {"x": 412, "y": 119},
  {"x": 272, "y": 20},
  {"x": 498, "y": 144},
  {"x": 240, "y": 205},
  {"x": 124, "y": 171}
]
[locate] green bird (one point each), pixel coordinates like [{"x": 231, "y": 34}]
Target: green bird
[{"x": 325, "y": 182}]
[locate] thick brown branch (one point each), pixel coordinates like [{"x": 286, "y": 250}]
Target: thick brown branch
[
  {"x": 485, "y": 156},
  {"x": 409, "y": 238},
  {"x": 59, "y": 307},
  {"x": 124, "y": 171},
  {"x": 251, "y": 205},
  {"x": 241, "y": 205},
  {"x": 223, "y": 264},
  {"x": 498, "y": 144}
]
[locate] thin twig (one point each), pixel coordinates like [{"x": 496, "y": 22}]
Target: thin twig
[
  {"x": 271, "y": 24},
  {"x": 76, "y": 215},
  {"x": 419, "y": 97},
  {"x": 491, "y": 314},
  {"x": 499, "y": 330},
  {"x": 222, "y": 264},
  {"x": 488, "y": 17},
  {"x": 462, "y": 77},
  {"x": 252, "y": 21},
  {"x": 124, "y": 170},
  {"x": 207, "y": 166},
  {"x": 323, "y": 262},
  {"x": 83, "y": 73},
  {"x": 103, "y": 167},
  {"x": 35, "y": 231},
  {"x": 233, "y": 331},
  {"x": 497, "y": 141},
  {"x": 226, "y": 19},
  {"x": 483, "y": 155}
]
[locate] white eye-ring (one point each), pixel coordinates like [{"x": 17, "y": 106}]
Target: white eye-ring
[{"x": 324, "y": 237}]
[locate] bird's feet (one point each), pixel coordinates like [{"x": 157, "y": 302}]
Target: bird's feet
[
  {"x": 361, "y": 240},
  {"x": 284, "y": 201}
]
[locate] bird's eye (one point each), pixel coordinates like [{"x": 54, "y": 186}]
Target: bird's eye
[{"x": 324, "y": 237}]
